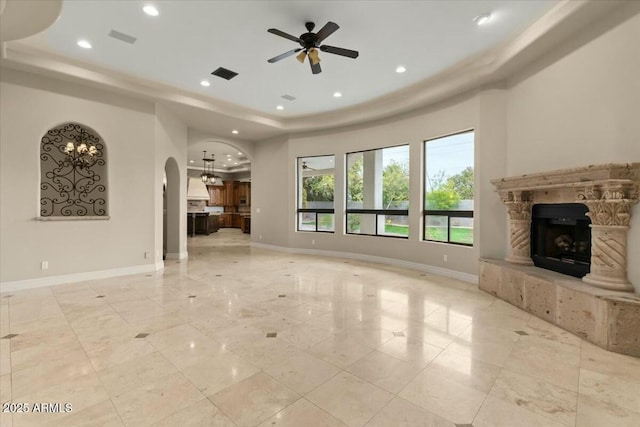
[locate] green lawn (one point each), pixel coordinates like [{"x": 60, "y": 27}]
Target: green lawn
[
  {"x": 458, "y": 234},
  {"x": 400, "y": 230}
]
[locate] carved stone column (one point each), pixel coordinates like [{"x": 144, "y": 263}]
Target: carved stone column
[
  {"x": 519, "y": 206},
  {"x": 610, "y": 212}
]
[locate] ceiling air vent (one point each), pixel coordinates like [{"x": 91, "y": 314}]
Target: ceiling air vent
[
  {"x": 224, "y": 73},
  {"x": 122, "y": 37},
  {"x": 289, "y": 97}
]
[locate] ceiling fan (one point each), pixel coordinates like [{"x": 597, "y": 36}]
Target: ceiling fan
[{"x": 310, "y": 43}]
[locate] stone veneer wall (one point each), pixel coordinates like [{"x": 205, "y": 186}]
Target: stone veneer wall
[{"x": 609, "y": 319}]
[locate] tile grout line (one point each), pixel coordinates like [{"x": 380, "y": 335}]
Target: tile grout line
[{"x": 84, "y": 350}]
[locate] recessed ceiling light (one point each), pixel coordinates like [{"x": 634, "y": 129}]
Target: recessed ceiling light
[
  {"x": 235, "y": 163},
  {"x": 239, "y": 153},
  {"x": 84, "y": 44},
  {"x": 400, "y": 69},
  {"x": 482, "y": 19},
  {"x": 235, "y": 131},
  {"x": 228, "y": 155},
  {"x": 279, "y": 107},
  {"x": 224, "y": 164},
  {"x": 337, "y": 94},
  {"x": 150, "y": 10},
  {"x": 205, "y": 83},
  {"x": 191, "y": 161}
]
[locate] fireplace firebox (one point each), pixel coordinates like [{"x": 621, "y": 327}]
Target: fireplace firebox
[{"x": 561, "y": 238}]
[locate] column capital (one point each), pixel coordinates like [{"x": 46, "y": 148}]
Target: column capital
[
  {"x": 518, "y": 203},
  {"x": 609, "y": 203}
]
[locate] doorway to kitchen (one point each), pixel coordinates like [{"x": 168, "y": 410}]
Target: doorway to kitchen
[{"x": 171, "y": 210}]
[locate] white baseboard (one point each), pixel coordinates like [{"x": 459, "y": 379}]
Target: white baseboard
[
  {"x": 465, "y": 277},
  {"x": 20, "y": 285},
  {"x": 176, "y": 256}
]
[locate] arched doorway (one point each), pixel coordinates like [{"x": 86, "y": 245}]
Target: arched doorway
[{"x": 171, "y": 210}]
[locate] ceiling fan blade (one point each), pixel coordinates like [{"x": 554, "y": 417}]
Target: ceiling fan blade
[
  {"x": 284, "y": 55},
  {"x": 315, "y": 68},
  {"x": 339, "y": 51},
  {"x": 283, "y": 34},
  {"x": 326, "y": 31}
]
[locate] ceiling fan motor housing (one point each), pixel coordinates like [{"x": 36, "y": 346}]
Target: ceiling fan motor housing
[{"x": 309, "y": 40}]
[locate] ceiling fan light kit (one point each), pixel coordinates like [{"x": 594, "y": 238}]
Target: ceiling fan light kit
[{"x": 310, "y": 42}]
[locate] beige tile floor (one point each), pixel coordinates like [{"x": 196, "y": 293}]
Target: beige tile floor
[{"x": 250, "y": 337}]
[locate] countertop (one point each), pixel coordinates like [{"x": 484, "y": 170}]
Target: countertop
[{"x": 202, "y": 213}]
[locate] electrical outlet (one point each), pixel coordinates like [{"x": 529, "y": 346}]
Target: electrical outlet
[
  {"x": 445, "y": 258},
  {"x": 146, "y": 255},
  {"x": 260, "y": 237},
  {"x": 257, "y": 210},
  {"x": 313, "y": 241},
  {"x": 44, "y": 265}
]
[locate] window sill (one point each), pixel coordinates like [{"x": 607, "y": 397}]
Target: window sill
[{"x": 72, "y": 218}]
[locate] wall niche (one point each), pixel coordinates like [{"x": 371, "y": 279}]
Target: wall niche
[{"x": 73, "y": 173}]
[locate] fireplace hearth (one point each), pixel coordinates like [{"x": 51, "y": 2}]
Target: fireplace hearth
[{"x": 561, "y": 238}]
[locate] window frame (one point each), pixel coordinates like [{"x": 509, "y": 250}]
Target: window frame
[
  {"x": 438, "y": 212},
  {"x": 317, "y": 211},
  {"x": 376, "y": 212}
]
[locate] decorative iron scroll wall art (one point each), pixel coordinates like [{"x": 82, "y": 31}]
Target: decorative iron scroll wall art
[{"x": 73, "y": 173}]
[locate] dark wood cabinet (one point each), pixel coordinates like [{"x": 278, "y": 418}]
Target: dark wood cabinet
[
  {"x": 226, "y": 220},
  {"x": 232, "y": 193},
  {"x": 201, "y": 223},
  {"x": 244, "y": 194},
  {"x": 214, "y": 224},
  {"x": 245, "y": 224}
]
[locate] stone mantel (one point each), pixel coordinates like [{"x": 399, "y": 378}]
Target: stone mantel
[
  {"x": 610, "y": 173},
  {"x": 609, "y": 191}
]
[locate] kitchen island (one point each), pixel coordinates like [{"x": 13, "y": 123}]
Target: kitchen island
[{"x": 200, "y": 222}]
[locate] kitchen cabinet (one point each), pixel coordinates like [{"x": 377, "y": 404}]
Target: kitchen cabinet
[
  {"x": 244, "y": 194},
  {"x": 231, "y": 193},
  {"x": 227, "y": 220},
  {"x": 217, "y": 195},
  {"x": 245, "y": 223},
  {"x": 236, "y": 220}
]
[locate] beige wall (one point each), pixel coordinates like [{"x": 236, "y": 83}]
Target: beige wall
[
  {"x": 271, "y": 173},
  {"x": 274, "y": 187},
  {"x": 170, "y": 142},
  {"x": 29, "y": 106}
]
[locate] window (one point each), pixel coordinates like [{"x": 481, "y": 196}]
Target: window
[
  {"x": 378, "y": 192},
  {"x": 315, "y": 193},
  {"x": 448, "y": 201}
]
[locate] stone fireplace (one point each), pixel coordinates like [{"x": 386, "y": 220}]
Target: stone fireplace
[
  {"x": 575, "y": 222},
  {"x": 608, "y": 191},
  {"x": 561, "y": 238}
]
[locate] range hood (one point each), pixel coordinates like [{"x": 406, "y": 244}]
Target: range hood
[{"x": 196, "y": 190}]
